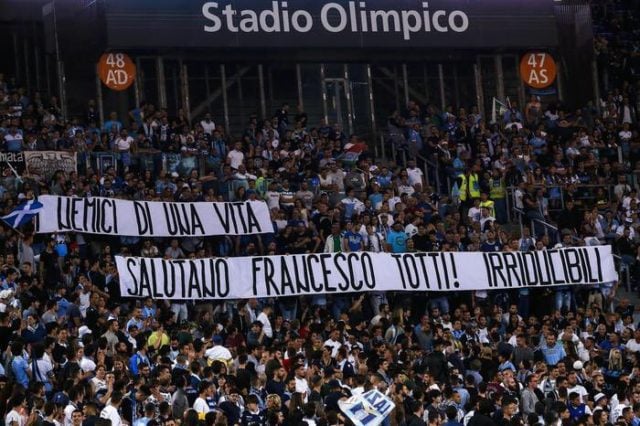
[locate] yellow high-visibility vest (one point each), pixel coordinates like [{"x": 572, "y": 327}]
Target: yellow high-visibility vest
[
  {"x": 498, "y": 190},
  {"x": 474, "y": 186}
]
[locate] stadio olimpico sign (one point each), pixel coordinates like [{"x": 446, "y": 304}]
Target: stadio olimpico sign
[
  {"x": 373, "y": 24},
  {"x": 354, "y": 17}
]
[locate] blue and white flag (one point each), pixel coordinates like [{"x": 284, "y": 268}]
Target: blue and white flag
[
  {"x": 23, "y": 213},
  {"x": 367, "y": 409}
]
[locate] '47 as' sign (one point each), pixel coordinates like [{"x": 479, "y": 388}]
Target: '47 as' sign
[
  {"x": 116, "y": 71},
  {"x": 538, "y": 69}
]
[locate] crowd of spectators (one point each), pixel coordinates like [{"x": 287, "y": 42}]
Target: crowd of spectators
[{"x": 73, "y": 351}]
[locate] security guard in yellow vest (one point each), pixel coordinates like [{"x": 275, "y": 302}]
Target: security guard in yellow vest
[
  {"x": 469, "y": 187},
  {"x": 498, "y": 194},
  {"x": 487, "y": 203}
]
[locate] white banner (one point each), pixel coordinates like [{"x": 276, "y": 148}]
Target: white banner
[
  {"x": 110, "y": 216},
  {"x": 367, "y": 409},
  {"x": 45, "y": 163},
  {"x": 293, "y": 275}
]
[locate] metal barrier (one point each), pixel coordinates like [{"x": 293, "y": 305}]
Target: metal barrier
[
  {"x": 393, "y": 145},
  {"x": 623, "y": 269},
  {"x": 150, "y": 160},
  {"x": 585, "y": 194}
]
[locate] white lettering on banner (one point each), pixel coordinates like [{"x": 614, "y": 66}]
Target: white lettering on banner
[
  {"x": 11, "y": 157},
  {"x": 334, "y": 18},
  {"x": 99, "y": 215},
  {"x": 293, "y": 275},
  {"x": 368, "y": 409},
  {"x": 46, "y": 163}
]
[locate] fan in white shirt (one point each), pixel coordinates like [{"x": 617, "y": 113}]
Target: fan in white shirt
[
  {"x": 334, "y": 343},
  {"x": 13, "y": 417},
  {"x": 415, "y": 174},
  {"x": 207, "y": 124},
  {"x": 206, "y": 390},
  {"x": 218, "y": 352},
  {"x": 266, "y": 323},
  {"x": 235, "y": 157},
  {"x": 633, "y": 345},
  {"x": 124, "y": 142},
  {"x": 110, "y": 412}
]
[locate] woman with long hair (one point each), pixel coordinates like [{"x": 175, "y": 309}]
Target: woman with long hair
[
  {"x": 296, "y": 412},
  {"x": 614, "y": 367}
]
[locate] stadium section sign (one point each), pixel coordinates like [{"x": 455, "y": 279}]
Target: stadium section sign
[
  {"x": 116, "y": 70},
  {"x": 307, "y": 274},
  {"x": 110, "y": 216},
  {"x": 324, "y": 23},
  {"x": 538, "y": 69}
]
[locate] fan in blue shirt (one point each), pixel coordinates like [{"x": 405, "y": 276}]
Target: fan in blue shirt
[
  {"x": 397, "y": 238},
  {"x": 491, "y": 244},
  {"x": 355, "y": 242}
]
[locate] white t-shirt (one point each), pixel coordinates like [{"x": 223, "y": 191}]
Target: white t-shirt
[
  {"x": 335, "y": 346},
  {"x": 235, "y": 158},
  {"x": 218, "y": 353},
  {"x": 580, "y": 390},
  {"x": 111, "y": 413},
  {"x": 415, "y": 176},
  {"x": 68, "y": 411},
  {"x": 45, "y": 368},
  {"x": 302, "y": 386},
  {"x": 201, "y": 406},
  {"x": 474, "y": 214},
  {"x": 633, "y": 345},
  {"x": 98, "y": 384},
  {"x": 266, "y": 325},
  {"x": 625, "y": 134},
  {"x": 124, "y": 144},
  {"x": 273, "y": 199},
  {"x": 86, "y": 364},
  {"x": 208, "y": 127},
  {"x": 14, "y": 416}
]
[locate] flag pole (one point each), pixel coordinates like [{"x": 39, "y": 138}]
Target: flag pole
[
  {"x": 493, "y": 110},
  {"x": 15, "y": 173},
  {"x": 13, "y": 229}
]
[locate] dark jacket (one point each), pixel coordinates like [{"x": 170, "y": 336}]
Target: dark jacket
[
  {"x": 437, "y": 364},
  {"x": 414, "y": 420},
  {"x": 480, "y": 420}
]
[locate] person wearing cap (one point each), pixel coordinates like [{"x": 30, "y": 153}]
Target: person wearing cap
[{"x": 218, "y": 352}]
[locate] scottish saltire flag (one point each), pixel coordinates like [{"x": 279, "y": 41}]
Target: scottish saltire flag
[{"x": 23, "y": 213}]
